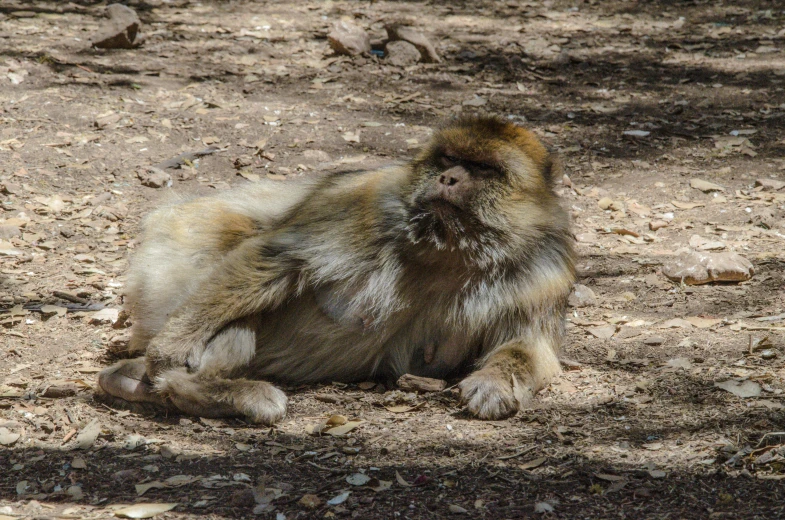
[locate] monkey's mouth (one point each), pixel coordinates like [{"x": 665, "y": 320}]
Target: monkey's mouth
[
  {"x": 440, "y": 222},
  {"x": 442, "y": 208}
]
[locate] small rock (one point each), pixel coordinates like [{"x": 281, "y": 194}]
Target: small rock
[
  {"x": 120, "y": 30},
  {"x": 654, "y": 225},
  {"x": 475, "y": 101},
  {"x": 421, "y": 384},
  {"x": 316, "y": 157},
  {"x": 581, "y": 296},
  {"x": 75, "y": 492},
  {"x": 416, "y": 38},
  {"x": 6, "y": 232},
  {"x": 636, "y": 133},
  {"x": 401, "y": 53},
  {"x": 768, "y": 353},
  {"x": 10, "y": 188},
  {"x": 767, "y": 217},
  {"x": 603, "y": 332},
  {"x": 104, "y": 316},
  {"x": 154, "y": 178},
  {"x": 770, "y": 184},
  {"x": 118, "y": 344},
  {"x": 104, "y": 121},
  {"x": 695, "y": 268},
  {"x": 705, "y": 186},
  {"x": 608, "y": 203},
  {"x": 349, "y": 39},
  {"x": 310, "y": 501}
]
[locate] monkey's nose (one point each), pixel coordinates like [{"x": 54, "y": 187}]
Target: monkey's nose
[
  {"x": 453, "y": 176},
  {"x": 448, "y": 180}
]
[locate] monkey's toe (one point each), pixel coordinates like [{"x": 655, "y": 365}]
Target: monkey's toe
[{"x": 489, "y": 396}]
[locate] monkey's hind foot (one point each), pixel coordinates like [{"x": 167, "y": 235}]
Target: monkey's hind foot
[
  {"x": 126, "y": 385},
  {"x": 197, "y": 394}
]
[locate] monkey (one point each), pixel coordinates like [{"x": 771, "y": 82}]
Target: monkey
[{"x": 456, "y": 263}]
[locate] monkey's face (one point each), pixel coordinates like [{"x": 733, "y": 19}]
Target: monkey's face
[{"x": 478, "y": 184}]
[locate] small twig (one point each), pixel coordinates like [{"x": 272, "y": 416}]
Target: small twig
[
  {"x": 187, "y": 156},
  {"x": 69, "y": 297},
  {"x": 331, "y": 470}
]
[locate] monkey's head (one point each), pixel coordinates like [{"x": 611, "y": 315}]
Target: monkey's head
[{"x": 482, "y": 187}]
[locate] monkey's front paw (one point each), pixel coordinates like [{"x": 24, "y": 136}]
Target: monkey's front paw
[{"x": 493, "y": 395}]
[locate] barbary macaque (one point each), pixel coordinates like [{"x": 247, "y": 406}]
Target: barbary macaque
[{"x": 457, "y": 262}]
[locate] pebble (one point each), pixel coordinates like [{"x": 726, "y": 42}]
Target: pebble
[
  {"x": 581, "y": 296},
  {"x": 401, "y": 53},
  {"x": 119, "y": 31},
  {"x": 154, "y": 178},
  {"x": 349, "y": 39}
]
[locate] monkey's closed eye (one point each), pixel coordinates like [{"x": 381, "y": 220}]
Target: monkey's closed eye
[{"x": 450, "y": 160}]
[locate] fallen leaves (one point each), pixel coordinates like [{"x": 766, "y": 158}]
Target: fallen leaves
[
  {"x": 87, "y": 435},
  {"x": 743, "y": 389},
  {"x": 335, "y": 425},
  {"x": 144, "y": 510}
]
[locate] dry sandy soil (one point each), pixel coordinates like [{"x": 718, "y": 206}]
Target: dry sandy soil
[{"x": 636, "y": 428}]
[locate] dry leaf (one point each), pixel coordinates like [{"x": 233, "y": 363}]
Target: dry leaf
[
  {"x": 358, "y": 479},
  {"x": 144, "y": 510},
  {"x": 339, "y": 499},
  {"x": 342, "y": 430},
  {"x": 401, "y": 481},
  {"x": 534, "y": 463},
  {"x": 87, "y": 436},
  {"x": 742, "y": 389}
]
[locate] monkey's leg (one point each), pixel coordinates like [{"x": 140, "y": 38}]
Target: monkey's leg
[
  {"x": 509, "y": 377},
  {"x": 211, "y": 385},
  {"x": 206, "y": 396},
  {"x": 244, "y": 284}
]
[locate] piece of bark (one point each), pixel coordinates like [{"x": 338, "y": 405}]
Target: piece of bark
[{"x": 421, "y": 384}]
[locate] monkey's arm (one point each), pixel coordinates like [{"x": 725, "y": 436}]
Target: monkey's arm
[
  {"x": 245, "y": 282},
  {"x": 509, "y": 376}
]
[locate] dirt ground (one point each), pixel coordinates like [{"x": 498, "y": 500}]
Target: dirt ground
[{"x": 636, "y": 428}]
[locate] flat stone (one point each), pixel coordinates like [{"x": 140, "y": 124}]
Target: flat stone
[
  {"x": 349, "y": 39},
  {"x": 120, "y": 30},
  {"x": 316, "y": 157},
  {"x": 770, "y": 184},
  {"x": 401, "y": 53},
  {"x": 705, "y": 186},
  {"x": 695, "y": 268},
  {"x": 581, "y": 296},
  {"x": 654, "y": 225},
  {"x": 603, "y": 331}
]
